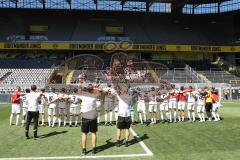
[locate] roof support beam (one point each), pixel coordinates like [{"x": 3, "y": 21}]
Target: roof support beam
[
  {"x": 96, "y": 3},
  {"x": 70, "y": 3},
  {"x": 15, "y": 2},
  {"x": 43, "y": 2}
]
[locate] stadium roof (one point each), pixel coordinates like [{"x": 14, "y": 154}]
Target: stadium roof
[{"x": 157, "y": 6}]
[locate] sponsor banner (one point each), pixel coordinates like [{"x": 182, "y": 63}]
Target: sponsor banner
[{"x": 114, "y": 46}]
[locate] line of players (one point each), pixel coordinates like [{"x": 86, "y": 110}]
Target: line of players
[{"x": 171, "y": 105}]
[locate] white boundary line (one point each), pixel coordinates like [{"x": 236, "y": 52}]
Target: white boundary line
[{"x": 147, "y": 151}]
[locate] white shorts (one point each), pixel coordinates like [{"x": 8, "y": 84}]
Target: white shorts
[
  {"x": 62, "y": 111},
  {"x": 200, "y": 108},
  {"x": 181, "y": 105},
  {"x": 191, "y": 106},
  {"x": 109, "y": 105},
  {"x": 141, "y": 107},
  {"x": 152, "y": 108},
  {"x": 163, "y": 107},
  {"x": 73, "y": 110},
  {"x": 24, "y": 111},
  {"x": 52, "y": 111},
  {"x": 16, "y": 108},
  {"x": 41, "y": 109},
  {"x": 216, "y": 106},
  {"x": 172, "y": 105}
]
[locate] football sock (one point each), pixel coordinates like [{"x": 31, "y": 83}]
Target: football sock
[
  {"x": 70, "y": 120},
  {"x": 179, "y": 118},
  {"x": 170, "y": 116},
  {"x": 162, "y": 117},
  {"x": 140, "y": 117},
  {"x": 17, "y": 119},
  {"x": 200, "y": 116},
  {"x": 54, "y": 121},
  {"x": 11, "y": 117},
  {"x": 218, "y": 116},
  {"x": 175, "y": 116},
  {"x": 59, "y": 122},
  {"x": 214, "y": 115},
  {"x": 189, "y": 115},
  {"x": 203, "y": 117},
  {"x": 183, "y": 118},
  {"x": 167, "y": 115},
  {"x": 49, "y": 121},
  {"x": 145, "y": 117},
  {"x": 193, "y": 115},
  {"x": 116, "y": 116},
  {"x": 98, "y": 119},
  {"x": 76, "y": 120},
  {"x": 43, "y": 119},
  {"x": 110, "y": 114},
  {"x": 65, "y": 120},
  {"x": 106, "y": 115}
]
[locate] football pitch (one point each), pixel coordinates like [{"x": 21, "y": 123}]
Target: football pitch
[{"x": 176, "y": 141}]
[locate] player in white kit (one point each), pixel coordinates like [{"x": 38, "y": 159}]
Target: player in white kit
[
  {"x": 200, "y": 105},
  {"x": 216, "y": 105},
  {"x": 173, "y": 105},
  {"x": 109, "y": 103},
  {"x": 62, "y": 107},
  {"x": 164, "y": 111},
  {"x": 191, "y": 104},
  {"x": 24, "y": 107},
  {"x": 52, "y": 107},
  {"x": 153, "y": 108},
  {"x": 75, "y": 101},
  {"x": 141, "y": 109},
  {"x": 41, "y": 107}
]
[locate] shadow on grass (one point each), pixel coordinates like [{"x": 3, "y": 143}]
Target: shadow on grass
[
  {"x": 52, "y": 134},
  {"x": 110, "y": 144}
]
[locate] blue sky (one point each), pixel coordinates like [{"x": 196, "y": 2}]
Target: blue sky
[{"x": 115, "y": 5}]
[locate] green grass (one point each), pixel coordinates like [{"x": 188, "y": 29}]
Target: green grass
[{"x": 180, "y": 141}]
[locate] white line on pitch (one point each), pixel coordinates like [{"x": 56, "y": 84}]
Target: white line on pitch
[
  {"x": 78, "y": 157},
  {"x": 148, "y": 152},
  {"x": 146, "y": 149}
]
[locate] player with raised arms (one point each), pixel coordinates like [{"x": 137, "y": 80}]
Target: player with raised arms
[
  {"x": 200, "y": 105},
  {"x": 190, "y": 104},
  {"x": 75, "y": 101},
  {"x": 89, "y": 96},
  {"x": 181, "y": 104},
  {"x": 173, "y": 104},
  {"x": 24, "y": 107},
  {"x": 52, "y": 107},
  {"x": 41, "y": 107},
  {"x": 216, "y": 105},
  {"x": 164, "y": 111},
  {"x": 141, "y": 108},
  {"x": 16, "y": 101},
  {"x": 124, "y": 119},
  {"x": 152, "y": 107},
  {"x": 62, "y": 107},
  {"x": 109, "y": 103}
]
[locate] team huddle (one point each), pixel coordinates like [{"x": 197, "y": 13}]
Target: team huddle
[{"x": 172, "y": 105}]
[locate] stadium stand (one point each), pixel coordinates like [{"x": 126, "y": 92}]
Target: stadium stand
[{"x": 153, "y": 29}]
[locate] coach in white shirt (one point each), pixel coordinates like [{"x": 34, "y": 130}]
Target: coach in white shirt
[
  {"x": 124, "y": 118},
  {"x": 33, "y": 100}
]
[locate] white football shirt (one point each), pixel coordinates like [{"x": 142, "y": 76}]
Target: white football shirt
[
  {"x": 123, "y": 107},
  {"x": 32, "y": 99}
]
